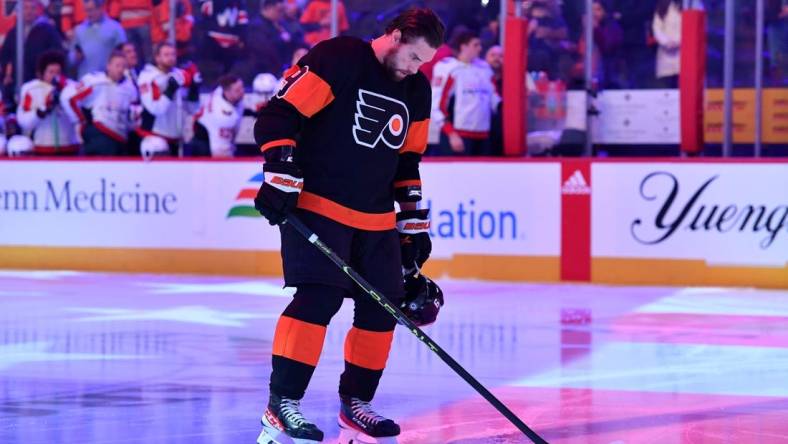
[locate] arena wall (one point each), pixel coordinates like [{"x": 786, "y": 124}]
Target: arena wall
[{"x": 655, "y": 221}]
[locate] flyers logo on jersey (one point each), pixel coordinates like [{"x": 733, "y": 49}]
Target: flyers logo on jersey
[{"x": 380, "y": 118}]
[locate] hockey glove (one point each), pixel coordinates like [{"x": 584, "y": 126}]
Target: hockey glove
[
  {"x": 278, "y": 196},
  {"x": 172, "y": 87},
  {"x": 51, "y": 102},
  {"x": 414, "y": 237}
]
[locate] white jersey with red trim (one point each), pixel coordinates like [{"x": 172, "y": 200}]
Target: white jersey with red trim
[
  {"x": 440, "y": 76},
  {"x": 475, "y": 98},
  {"x": 160, "y": 114},
  {"x": 53, "y": 131},
  {"x": 108, "y": 102},
  {"x": 220, "y": 119}
]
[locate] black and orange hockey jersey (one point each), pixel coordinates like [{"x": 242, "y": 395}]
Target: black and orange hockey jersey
[{"x": 360, "y": 134}]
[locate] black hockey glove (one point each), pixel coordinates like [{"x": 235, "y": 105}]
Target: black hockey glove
[
  {"x": 414, "y": 237},
  {"x": 172, "y": 87},
  {"x": 278, "y": 196},
  {"x": 51, "y": 103}
]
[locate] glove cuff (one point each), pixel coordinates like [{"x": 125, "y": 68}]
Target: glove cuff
[
  {"x": 283, "y": 176},
  {"x": 413, "y": 221}
]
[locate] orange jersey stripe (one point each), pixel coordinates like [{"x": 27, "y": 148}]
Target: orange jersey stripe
[
  {"x": 309, "y": 94},
  {"x": 298, "y": 340},
  {"x": 407, "y": 183},
  {"x": 416, "y": 139},
  {"x": 277, "y": 142},
  {"x": 368, "y": 349},
  {"x": 344, "y": 215}
]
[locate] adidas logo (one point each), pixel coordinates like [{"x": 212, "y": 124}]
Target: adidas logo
[{"x": 576, "y": 184}]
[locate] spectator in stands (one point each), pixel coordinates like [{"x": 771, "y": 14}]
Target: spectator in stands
[
  {"x": 490, "y": 35},
  {"x": 466, "y": 98},
  {"x": 292, "y": 23},
  {"x": 777, "y": 34},
  {"x": 547, "y": 37},
  {"x": 217, "y": 121},
  {"x": 606, "y": 58},
  {"x": 40, "y": 113},
  {"x": 635, "y": 18},
  {"x": 40, "y": 37},
  {"x": 268, "y": 44},
  {"x": 136, "y": 17},
  {"x": 160, "y": 87},
  {"x": 316, "y": 20},
  {"x": 494, "y": 58},
  {"x": 184, "y": 24},
  {"x": 667, "y": 32},
  {"x": 95, "y": 39},
  {"x": 72, "y": 13},
  {"x": 102, "y": 103},
  {"x": 222, "y": 25}
]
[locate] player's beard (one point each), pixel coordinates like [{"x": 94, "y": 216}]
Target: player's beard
[{"x": 390, "y": 63}]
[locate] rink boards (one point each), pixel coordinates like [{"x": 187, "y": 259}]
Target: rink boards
[{"x": 652, "y": 221}]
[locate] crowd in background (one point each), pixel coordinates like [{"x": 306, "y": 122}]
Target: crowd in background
[{"x": 100, "y": 77}]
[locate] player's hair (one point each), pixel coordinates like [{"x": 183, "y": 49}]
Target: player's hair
[
  {"x": 120, "y": 46},
  {"x": 51, "y": 57},
  {"x": 116, "y": 54},
  {"x": 418, "y": 22},
  {"x": 159, "y": 46},
  {"x": 227, "y": 80},
  {"x": 663, "y": 5},
  {"x": 462, "y": 38}
]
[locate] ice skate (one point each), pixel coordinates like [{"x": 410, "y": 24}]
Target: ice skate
[
  {"x": 359, "y": 424},
  {"x": 283, "y": 423}
]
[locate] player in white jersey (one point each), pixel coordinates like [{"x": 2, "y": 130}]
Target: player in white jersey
[
  {"x": 102, "y": 103},
  {"x": 264, "y": 87},
  {"x": 161, "y": 85},
  {"x": 40, "y": 112},
  {"x": 217, "y": 121},
  {"x": 132, "y": 74},
  {"x": 464, "y": 97}
]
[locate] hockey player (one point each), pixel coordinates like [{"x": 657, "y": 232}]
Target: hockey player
[
  {"x": 216, "y": 124},
  {"x": 359, "y": 112},
  {"x": 132, "y": 75},
  {"x": 463, "y": 99},
  {"x": 40, "y": 112},
  {"x": 159, "y": 86},
  {"x": 264, "y": 87},
  {"x": 102, "y": 103}
]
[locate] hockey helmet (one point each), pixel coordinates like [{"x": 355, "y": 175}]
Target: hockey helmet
[
  {"x": 266, "y": 85},
  {"x": 152, "y": 146},
  {"x": 19, "y": 145},
  {"x": 423, "y": 299}
]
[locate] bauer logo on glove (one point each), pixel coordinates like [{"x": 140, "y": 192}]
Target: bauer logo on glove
[
  {"x": 278, "y": 195},
  {"x": 414, "y": 237}
]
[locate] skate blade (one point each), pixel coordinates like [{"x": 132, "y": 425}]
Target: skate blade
[
  {"x": 350, "y": 435},
  {"x": 272, "y": 435}
]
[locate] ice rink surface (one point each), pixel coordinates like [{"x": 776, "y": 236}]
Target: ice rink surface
[{"x": 114, "y": 358}]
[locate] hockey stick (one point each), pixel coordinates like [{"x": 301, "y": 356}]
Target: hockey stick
[{"x": 403, "y": 320}]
